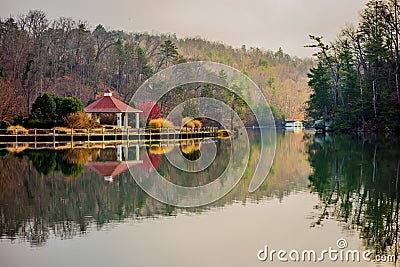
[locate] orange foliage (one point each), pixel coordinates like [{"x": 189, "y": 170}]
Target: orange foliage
[{"x": 79, "y": 120}]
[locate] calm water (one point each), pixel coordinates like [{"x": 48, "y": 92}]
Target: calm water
[{"x": 59, "y": 208}]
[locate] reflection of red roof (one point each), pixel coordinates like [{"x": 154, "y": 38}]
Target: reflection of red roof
[
  {"x": 108, "y": 103},
  {"x": 150, "y": 162},
  {"x": 108, "y": 168}
]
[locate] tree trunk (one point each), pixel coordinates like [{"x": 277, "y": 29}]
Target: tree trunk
[{"x": 374, "y": 98}]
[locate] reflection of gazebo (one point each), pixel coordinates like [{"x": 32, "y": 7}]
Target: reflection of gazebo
[
  {"x": 109, "y": 169},
  {"x": 110, "y": 104}
]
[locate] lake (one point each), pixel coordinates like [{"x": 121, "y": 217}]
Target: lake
[{"x": 335, "y": 195}]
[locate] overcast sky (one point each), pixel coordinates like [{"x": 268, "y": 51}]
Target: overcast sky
[{"x": 262, "y": 23}]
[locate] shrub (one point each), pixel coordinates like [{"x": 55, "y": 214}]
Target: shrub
[
  {"x": 67, "y": 105},
  {"x": 47, "y": 107},
  {"x": 13, "y": 129},
  {"x": 197, "y": 124},
  {"x": 77, "y": 156},
  {"x": 160, "y": 123},
  {"x": 190, "y": 150},
  {"x": 79, "y": 120},
  {"x": 191, "y": 123},
  {"x": 186, "y": 120},
  {"x": 4, "y": 124}
]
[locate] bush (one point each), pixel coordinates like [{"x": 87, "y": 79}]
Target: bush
[
  {"x": 197, "y": 124},
  {"x": 4, "y": 124},
  {"x": 79, "y": 120},
  {"x": 46, "y": 124},
  {"x": 44, "y": 107},
  {"x": 160, "y": 123},
  {"x": 67, "y": 105},
  {"x": 77, "y": 156},
  {"x": 185, "y": 120},
  {"x": 48, "y": 108},
  {"x": 13, "y": 129},
  {"x": 191, "y": 123}
]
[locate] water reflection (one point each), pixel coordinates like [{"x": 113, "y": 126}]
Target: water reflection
[
  {"x": 65, "y": 193},
  {"x": 357, "y": 180},
  {"x": 61, "y": 194}
]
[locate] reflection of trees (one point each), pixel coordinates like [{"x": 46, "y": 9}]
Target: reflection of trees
[
  {"x": 69, "y": 162},
  {"x": 190, "y": 149},
  {"x": 34, "y": 206},
  {"x": 290, "y": 168},
  {"x": 357, "y": 181},
  {"x": 37, "y": 202}
]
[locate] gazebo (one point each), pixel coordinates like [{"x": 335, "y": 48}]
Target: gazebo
[{"x": 110, "y": 104}]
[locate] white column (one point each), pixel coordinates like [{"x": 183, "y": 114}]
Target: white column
[
  {"x": 119, "y": 153},
  {"x": 137, "y": 120},
  {"x": 119, "y": 115},
  {"x": 126, "y": 121}
]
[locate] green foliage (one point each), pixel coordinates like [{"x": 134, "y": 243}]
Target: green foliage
[
  {"x": 263, "y": 63},
  {"x": 44, "y": 163},
  {"x": 278, "y": 116},
  {"x": 70, "y": 170},
  {"x": 4, "y": 124},
  {"x": 47, "y": 109},
  {"x": 19, "y": 120},
  {"x": 357, "y": 76},
  {"x": 44, "y": 107},
  {"x": 67, "y": 105},
  {"x": 355, "y": 179},
  {"x": 320, "y": 104},
  {"x": 51, "y": 161},
  {"x": 169, "y": 52},
  {"x": 3, "y": 73},
  {"x": 345, "y": 119},
  {"x": 271, "y": 82}
]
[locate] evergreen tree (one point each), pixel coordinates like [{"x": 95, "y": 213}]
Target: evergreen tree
[
  {"x": 44, "y": 107},
  {"x": 320, "y": 103}
]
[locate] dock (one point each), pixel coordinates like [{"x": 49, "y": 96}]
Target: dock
[{"x": 37, "y": 138}]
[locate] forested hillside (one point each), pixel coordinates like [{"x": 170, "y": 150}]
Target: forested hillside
[
  {"x": 356, "y": 79},
  {"x": 65, "y": 57}
]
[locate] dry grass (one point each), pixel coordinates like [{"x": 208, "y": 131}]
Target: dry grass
[
  {"x": 189, "y": 123},
  {"x": 186, "y": 120},
  {"x": 62, "y": 130},
  {"x": 79, "y": 120},
  {"x": 17, "y": 147},
  {"x": 197, "y": 124},
  {"x": 160, "y": 123},
  {"x": 13, "y": 130},
  {"x": 97, "y": 130}
]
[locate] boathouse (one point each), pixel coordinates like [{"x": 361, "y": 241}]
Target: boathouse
[{"x": 110, "y": 104}]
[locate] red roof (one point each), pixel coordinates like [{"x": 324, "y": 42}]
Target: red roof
[
  {"x": 110, "y": 104},
  {"x": 108, "y": 168}
]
